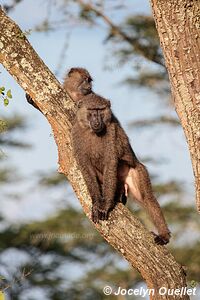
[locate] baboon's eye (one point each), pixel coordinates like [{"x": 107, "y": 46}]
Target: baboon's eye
[
  {"x": 89, "y": 115},
  {"x": 88, "y": 79}
]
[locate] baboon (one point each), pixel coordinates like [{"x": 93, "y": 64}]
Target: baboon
[
  {"x": 99, "y": 136},
  {"x": 78, "y": 83},
  {"x": 104, "y": 154}
]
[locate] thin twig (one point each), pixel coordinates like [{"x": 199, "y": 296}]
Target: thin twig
[{"x": 118, "y": 32}]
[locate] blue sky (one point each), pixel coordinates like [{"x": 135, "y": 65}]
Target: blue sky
[
  {"x": 129, "y": 104},
  {"x": 85, "y": 49}
]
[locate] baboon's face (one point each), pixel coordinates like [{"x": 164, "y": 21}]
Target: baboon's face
[
  {"x": 94, "y": 116},
  {"x": 96, "y": 120},
  {"x": 85, "y": 86},
  {"x": 80, "y": 81}
]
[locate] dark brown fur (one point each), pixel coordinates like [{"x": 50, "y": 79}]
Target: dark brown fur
[{"x": 98, "y": 154}]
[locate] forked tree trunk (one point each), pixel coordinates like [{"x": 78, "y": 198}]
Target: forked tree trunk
[
  {"x": 178, "y": 25},
  {"x": 123, "y": 231}
]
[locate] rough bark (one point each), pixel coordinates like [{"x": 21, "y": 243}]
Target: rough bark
[
  {"x": 123, "y": 230},
  {"x": 178, "y": 24}
]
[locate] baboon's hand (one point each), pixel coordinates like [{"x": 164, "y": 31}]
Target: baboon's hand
[
  {"x": 162, "y": 239},
  {"x": 99, "y": 214},
  {"x": 30, "y": 101}
]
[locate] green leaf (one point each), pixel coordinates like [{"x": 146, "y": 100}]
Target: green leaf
[
  {"x": 9, "y": 95},
  {"x": 6, "y": 101},
  {"x": 2, "y": 89},
  {"x": 193, "y": 283}
]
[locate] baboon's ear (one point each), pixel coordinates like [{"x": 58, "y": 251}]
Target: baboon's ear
[
  {"x": 109, "y": 104},
  {"x": 71, "y": 71}
]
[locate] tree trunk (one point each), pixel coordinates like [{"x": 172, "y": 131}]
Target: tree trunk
[
  {"x": 178, "y": 24},
  {"x": 123, "y": 230}
]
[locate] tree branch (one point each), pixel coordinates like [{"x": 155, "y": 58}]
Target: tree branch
[
  {"x": 115, "y": 30},
  {"x": 123, "y": 230},
  {"x": 180, "y": 40}
]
